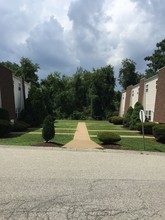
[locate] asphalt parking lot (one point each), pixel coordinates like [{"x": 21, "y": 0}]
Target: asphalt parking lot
[{"x": 46, "y": 183}]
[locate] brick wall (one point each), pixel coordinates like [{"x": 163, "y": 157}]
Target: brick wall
[
  {"x": 128, "y": 98},
  {"x": 141, "y": 91},
  {"x": 159, "y": 115},
  {"x": 7, "y": 92}
]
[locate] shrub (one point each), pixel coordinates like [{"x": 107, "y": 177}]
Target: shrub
[
  {"x": 19, "y": 126},
  {"x": 135, "y": 116},
  {"x": 4, "y": 115},
  {"x": 127, "y": 118},
  {"x": 5, "y": 128},
  {"x": 159, "y": 132},
  {"x": 117, "y": 120},
  {"x": 147, "y": 127},
  {"x": 48, "y": 131},
  {"x": 108, "y": 137}
]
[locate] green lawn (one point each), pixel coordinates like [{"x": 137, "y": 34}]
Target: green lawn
[
  {"x": 118, "y": 132},
  {"x": 102, "y": 125},
  {"x": 66, "y": 124},
  {"x": 32, "y": 139},
  {"x": 69, "y": 126},
  {"x": 34, "y": 136},
  {"x": 137, "y": 144}
]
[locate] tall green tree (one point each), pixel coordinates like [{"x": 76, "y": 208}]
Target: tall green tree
[
  {"x": 127, "y": 74},
  {"x": 102, "y": 94},
  {"x": 27, "y": 73},
  {"x": 156, "y": 60}
]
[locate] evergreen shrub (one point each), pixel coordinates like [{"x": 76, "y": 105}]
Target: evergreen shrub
[
  {"x": 5, "y": 127},
  {"x": 48, "y": 131},
  {"x": 135, "y": 116},
  {"x": 147, "y": 127},
  {"x": 108, "y": 137},
  {"x": 159, "y": 132},
  {"x": 127, "y": 118}
]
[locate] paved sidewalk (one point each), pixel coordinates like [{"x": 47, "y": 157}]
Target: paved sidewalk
[{"x": 81, "y": 138}]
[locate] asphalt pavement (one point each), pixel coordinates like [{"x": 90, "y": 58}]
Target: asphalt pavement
[{"x": 50, "y": 183}]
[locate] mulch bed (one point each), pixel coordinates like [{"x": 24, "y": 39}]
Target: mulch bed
[{"x": 49, "y": 144}]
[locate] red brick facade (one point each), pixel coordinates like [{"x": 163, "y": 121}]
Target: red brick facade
[
  {"x": 159, "y": 115},
  {"x": 7, "y": 92},
  {"x": 141, "y": 91},
  {"x": 128, "y": 98}
]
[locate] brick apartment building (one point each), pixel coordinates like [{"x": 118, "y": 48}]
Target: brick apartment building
[
  {"x": 7, "y": 91},
  {"x": 150, "y": 93},
  {"x": 11, "y": 93}
]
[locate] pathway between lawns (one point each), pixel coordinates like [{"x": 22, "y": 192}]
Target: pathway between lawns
[{"x": 81, "y": 138}]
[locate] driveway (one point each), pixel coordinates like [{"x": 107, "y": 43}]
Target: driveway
[{"x": 46, "y": 183}]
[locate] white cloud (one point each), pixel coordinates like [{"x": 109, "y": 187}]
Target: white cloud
[{"x": 61, "y": 35}]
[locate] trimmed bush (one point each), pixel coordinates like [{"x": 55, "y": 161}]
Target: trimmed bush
[
  {"x": 19, "y": 126},
  {"x": 4, "y": 114},
  {"x": 159, "y": 132},
  {"x": 135, "y": 116},
  {"x": 48, "y": 131},
  {"x": 147, "y": 127},
  {"x": 5, "y": 128},
  {"x": 117, "y": 120},
  {"x": 108, "y": 137},
  {"x": 127, "y": 118}
]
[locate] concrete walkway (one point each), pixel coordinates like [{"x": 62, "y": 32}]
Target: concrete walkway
[{"x": 81, "y": 138}]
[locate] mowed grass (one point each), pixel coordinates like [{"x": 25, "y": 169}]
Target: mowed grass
[
  {"x": 126, "y": 143},
  {"x": 137, "y": 144},
  {"x": 34, "y": 136},
  {"x": 102, "y": 125}
]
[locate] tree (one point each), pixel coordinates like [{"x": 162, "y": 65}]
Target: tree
[
  {"x": 27, "y": 73},
  {"x": 102, "y": 94},
  {"x": 35, "y": 111},
  {"x": 127, "y": 74},
  {"x": 127, "y": 118},
  {"x": 48, "y": 131},
  {"x": 156, "y": 60}
]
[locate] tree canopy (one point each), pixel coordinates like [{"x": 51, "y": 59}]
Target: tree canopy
[
  {"x": 127, "y": 73},
  {"x": 156, "y": 60}
]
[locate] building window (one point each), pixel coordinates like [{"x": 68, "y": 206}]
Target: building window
[
  {"x": 148, "y": 114},
  {"x": 132, "y": 93},
  {"x": 19, "y": 86},
  {"x": 146, "y": 88}
]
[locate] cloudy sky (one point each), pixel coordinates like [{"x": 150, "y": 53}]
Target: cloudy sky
[{"x": 61, "y": 35}]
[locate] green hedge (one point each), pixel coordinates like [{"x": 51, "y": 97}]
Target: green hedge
[
  {"x": 108, "y": 137},
  {"x": 19, "y": 126},
  {"x": 117, "y": 120},
  {"x": 147, "y": 127},
  {"x": 5, "y": 128},
  {"x": 159, "y": 132}
]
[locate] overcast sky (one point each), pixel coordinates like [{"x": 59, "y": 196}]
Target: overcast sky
[{"x": 61, "y": 35}]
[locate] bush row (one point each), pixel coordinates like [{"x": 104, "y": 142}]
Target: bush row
[
  {"x": 108, "y": 137},
  {"x": 117, "y": 120},
  {"x": 6, "y": 127}
]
